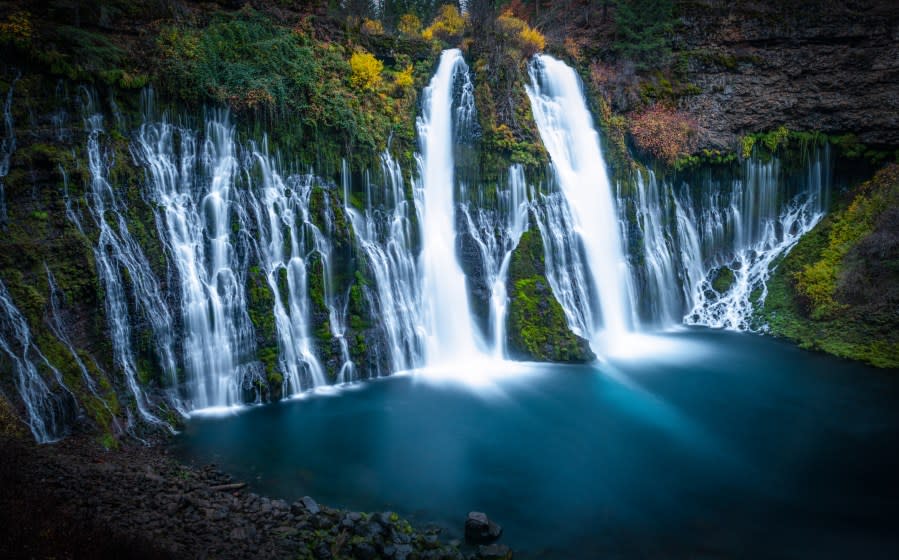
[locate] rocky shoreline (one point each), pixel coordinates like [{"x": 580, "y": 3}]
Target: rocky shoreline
[{"x": 73, "y": 499}]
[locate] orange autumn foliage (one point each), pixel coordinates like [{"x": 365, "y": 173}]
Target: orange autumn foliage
[{"x": 663, "y": 132}]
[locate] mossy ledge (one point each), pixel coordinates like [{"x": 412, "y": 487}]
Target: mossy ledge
[
  {"x": 537, "y": 326},
  {"x": 838, "y": 289}
]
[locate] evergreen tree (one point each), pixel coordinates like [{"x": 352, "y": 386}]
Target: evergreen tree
[{"x": 644, "y": 29}]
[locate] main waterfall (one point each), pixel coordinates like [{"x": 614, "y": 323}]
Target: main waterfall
[
  {"x": 601, "y": 281},
  {"x": 452, "y": 336}
]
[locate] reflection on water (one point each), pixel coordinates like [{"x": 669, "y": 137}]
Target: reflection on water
[{"x": 716, "y": 445}]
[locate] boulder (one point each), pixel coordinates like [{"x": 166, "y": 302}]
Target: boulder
[
  {"x": 310, "y": 505},
  {"x": 480, "y": 529}
]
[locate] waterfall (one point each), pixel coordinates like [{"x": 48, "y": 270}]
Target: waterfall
[
  {"x": 661, "y": 292},
  {"x": 761, "y": 220},
  {"x": 335, "y": 303},
  {"x": 54, "y": 320},
  {"x": 7, "y": 147},
  {"x": 117, "y": 250},
  {"x": 385, "y": 233},
  {"x": 706, "y": 251},
  {"x": 280, "y": 207},
  {"x": 452, "y": 336},
  {"x": 46, "y": 408},
  {"x": 566, "y": 270},
  {"x": 192, "y": 190},
  {"x": 496, "y": 233},
  {"x": 601, "y": 290}
]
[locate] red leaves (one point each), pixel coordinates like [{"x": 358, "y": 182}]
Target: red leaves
[{"x": 663, "y": 132}]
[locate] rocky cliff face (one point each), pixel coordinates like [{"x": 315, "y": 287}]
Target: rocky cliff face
[{"x": 807, "y": 65}]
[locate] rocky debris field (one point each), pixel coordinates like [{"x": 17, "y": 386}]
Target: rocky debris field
[{"x": 74, "y": 500}]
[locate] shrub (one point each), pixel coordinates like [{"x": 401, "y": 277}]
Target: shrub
[
  {"x": 372, "y": 27},
  {"x": 17, "y": 29},
  {"x": 366, "y": 71},
  {"x": 528, "y": 40},
  {"x": 409, "y": 25},
  {"x": 532, "y": 41},
  {"x": 819, "y": 280},
  {"x": 664, "y": 133},
  {"x": 448, "y": 25},
  {"x": 404, "y": 79}
]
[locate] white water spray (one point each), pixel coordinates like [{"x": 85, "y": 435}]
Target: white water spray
[
  {"x": 192, "y": 189},
  {"x": 567, "y": 131},
  {"x": 451, "y": 335}
]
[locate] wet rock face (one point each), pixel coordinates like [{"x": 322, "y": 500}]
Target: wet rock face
[{"x": 806, "y": 65}]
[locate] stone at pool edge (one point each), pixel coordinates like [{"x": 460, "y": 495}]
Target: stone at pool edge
[
  {"x": 494, "y": 552},
  {"x": 306, "y": 504},
  {"x": 479, "y": 529}
]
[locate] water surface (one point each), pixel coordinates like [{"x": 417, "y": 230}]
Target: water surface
[{"x": 699, "y": 444}]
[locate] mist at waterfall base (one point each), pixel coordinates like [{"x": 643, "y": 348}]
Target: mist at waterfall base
[{"x": 731, "y": 445}]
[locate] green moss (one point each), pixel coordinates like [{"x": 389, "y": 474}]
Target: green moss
[
  {"x": 723, "y": 281},
  {"x": 838, "y": 288},
  {"x": 108, "y": 441},
  {"x": 537, "y": 327}
]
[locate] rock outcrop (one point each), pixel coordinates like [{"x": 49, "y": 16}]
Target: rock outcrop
[{"x": 807, "y": 65}]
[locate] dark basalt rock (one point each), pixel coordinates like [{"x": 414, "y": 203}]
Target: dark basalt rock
[
  {"x": 480, "y": 529},
  {"x": 494, "y": 552},
  {"x": 310, "y": 505},
  {"x": 822, "y": 66},
  {"x": 137, "y": 502}
]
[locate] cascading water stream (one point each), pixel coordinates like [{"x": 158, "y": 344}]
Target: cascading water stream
[
  {"x": 192, "y": 191},
  {"x": 452, "y": 337},
  {"x": 707, "y": 250},
  {"x": 46, "y": 408},
  {"x": 566, "y": 128},
  {"x": 385, "y": 233},
  {"x": 566, "y": 270},
  {"x": 7, "y": 147},
  {"x": 661, "y": 292},
  {"x": 280, "y": 207},
  {"x": 762, "y": 222},
  {"x": 116, "y": 250},
  {"x": 497, "y": 232},
  {"x": 321, "y": 241},
  {"x": 55, "y": 322}
]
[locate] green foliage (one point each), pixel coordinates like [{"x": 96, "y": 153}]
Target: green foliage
[
  {"x": 703, "y": 158},
  {"x": 317, "y": 98},
  {"x": 508, "y": 131},
  {"x": 774, "y": 139},
  {"x": 818, "y": 281},
  {"x": 409, "y": 25},
  {"x": 526, "y": 39},
  {"x": 746, "y": 145},
  {"x": 644, "y": 29}
]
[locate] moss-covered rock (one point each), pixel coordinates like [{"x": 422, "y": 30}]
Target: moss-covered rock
[
  {"x": 537, "y": 326},
  {"x": 838, "y": 289},
  {"x": 724, "y": 280}
]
